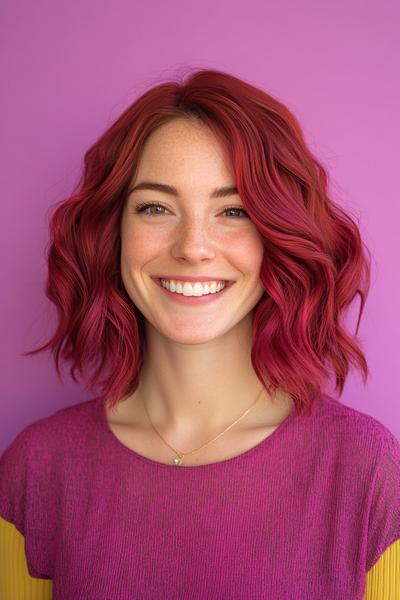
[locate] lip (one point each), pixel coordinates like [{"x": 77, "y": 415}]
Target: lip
[{"x": 193, "y": 300}]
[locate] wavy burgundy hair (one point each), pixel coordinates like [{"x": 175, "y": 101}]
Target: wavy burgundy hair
[{"x": 314, "y": 260}]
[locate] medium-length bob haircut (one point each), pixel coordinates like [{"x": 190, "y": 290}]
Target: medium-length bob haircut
[{"x": 314, "y": 259}]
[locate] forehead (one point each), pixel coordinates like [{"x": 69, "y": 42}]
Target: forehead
[{"x": 184, "y": 153}]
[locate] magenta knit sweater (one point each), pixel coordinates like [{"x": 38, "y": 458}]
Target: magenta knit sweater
[{"x": 303, "y": 515}]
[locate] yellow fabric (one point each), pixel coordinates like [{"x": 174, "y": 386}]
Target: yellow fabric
[
  {"x": 15, "y": 581},
  {"x": 383, "y": 580}
]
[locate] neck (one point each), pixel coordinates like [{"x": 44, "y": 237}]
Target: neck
[{"x": 193, "y": 389}]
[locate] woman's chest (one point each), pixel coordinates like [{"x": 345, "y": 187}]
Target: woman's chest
[{"x": 252, "y": 537}]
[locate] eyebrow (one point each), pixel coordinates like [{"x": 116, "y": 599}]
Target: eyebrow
[{"x": 221, "y": 192}]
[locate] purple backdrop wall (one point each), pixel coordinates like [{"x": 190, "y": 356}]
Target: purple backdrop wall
[{"x": 69, "y": 71}]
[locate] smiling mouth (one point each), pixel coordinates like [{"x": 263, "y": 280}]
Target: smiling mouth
[{"x": 227, "y": 283}]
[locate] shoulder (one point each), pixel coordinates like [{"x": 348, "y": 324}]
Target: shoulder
[
  {"x": 354, "y": 427},
  {"x": 40, "y": 458},
  {"x": 79, "y": 414},
  {"x": 346, "y": 442},
  {"x": 57, "y": 430}
]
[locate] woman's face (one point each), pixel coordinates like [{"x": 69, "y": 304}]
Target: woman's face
[{"x": 190, "y": 233}]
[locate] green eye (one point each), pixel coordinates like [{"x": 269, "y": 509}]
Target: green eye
[{"x": 142, "y": 207}]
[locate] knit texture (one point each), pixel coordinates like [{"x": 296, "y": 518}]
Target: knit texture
[{"x": 302, "y": 515}]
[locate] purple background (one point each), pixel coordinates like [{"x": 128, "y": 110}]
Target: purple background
[{"x": 70, "y": 69}]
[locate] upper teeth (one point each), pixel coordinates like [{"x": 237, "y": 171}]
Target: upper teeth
[{"x": 193, "y": 289}]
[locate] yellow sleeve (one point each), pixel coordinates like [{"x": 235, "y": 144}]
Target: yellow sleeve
[
  {"x": 383, "y": 580},
  {"x": 15, "y": 581}
]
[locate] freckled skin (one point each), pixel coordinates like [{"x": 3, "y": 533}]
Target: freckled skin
[{"x": 193, "y": 237}]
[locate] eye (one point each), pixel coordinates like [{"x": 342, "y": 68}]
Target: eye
[
  {"x": 238, "y": 208},
  {"x": 141, "y": 208}
]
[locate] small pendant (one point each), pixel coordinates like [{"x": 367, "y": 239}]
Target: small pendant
[{"x": 177, "y": 461}]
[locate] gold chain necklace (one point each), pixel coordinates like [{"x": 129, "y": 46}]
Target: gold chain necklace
[{"x": 180, "y": 455}]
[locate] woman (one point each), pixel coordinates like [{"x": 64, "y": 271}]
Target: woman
[{"x": 201, "y": 271}]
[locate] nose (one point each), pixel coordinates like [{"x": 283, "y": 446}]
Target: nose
[{"x": 193, "y": 242}]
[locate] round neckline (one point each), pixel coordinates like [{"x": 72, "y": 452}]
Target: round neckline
[{"x": 268, "y": 440}]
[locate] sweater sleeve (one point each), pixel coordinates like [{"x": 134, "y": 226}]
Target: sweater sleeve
[
  {"x": 14, "y": 466},
  {"x": 15, "y": 581},
  {"x": 24, "y": 501},
  {"x": 384, "y": 514},
  {"x": 383, "y": 580}
]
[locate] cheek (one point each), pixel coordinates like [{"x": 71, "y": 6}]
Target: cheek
[
  {"x": 139, "y": 246},
  {"x": 247, "y": 248}
]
